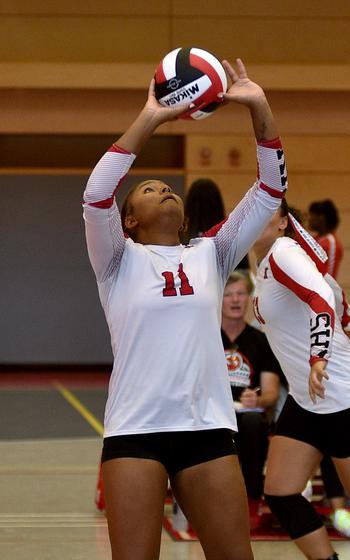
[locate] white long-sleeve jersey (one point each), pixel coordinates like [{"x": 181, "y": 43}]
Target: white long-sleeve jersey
[
  {"x": 163, "y": 304},
  {"x": 297, "y": 308}
]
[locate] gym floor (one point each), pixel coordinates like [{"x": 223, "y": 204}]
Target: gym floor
[{"x": 50, "y": 443}]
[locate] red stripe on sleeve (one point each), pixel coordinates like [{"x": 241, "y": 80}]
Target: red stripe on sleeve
[
  {"x": 107, "y": 203},
  {"x": 272, "y": 192},
  {"x": 118, "y": 149},
  {"x": 274, "y": 144},
  {"x": 314, "y": 359},
  {"x": 213, "y": 231},
  {"x": 314, "y": 300}
]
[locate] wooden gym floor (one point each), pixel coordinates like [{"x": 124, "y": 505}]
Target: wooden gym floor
[{"x": 50, "y": 442}]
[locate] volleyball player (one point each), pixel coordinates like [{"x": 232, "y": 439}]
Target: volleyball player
[
  {"x": 297, "y": 308},
  {"x": 169, "y": 411}
]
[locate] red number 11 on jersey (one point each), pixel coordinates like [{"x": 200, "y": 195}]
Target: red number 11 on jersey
[{"x": 170, "y": 290}]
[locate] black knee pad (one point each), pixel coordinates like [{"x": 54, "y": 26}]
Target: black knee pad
[{"x": 295, "y": 514}]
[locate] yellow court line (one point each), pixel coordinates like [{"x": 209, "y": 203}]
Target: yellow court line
[{"x": 79, "y": 407}]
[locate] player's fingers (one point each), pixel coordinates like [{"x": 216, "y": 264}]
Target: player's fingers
[
  {"x": 178, "y": 111},
  {"x": 312, "y": 395},
  {"x": 242, "y": 72},
  {"x": 230, "y": 71},
  {"x": 319, "y": 389},
  {"x": 151, "y": 88}
]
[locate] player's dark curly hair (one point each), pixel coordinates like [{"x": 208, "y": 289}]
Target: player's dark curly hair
[
  {"x": 327, "y": 209},
  {"x": 204, "y": 207}
]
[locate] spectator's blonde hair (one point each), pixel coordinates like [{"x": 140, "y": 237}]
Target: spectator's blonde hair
[{"x": 237, "y": 276}]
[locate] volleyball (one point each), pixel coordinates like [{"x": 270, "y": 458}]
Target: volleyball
[{"x": 189, "y": 76}]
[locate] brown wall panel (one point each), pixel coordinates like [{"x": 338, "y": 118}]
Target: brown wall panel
[
  {"x": 142, "y": 37},
  {"x": 267, "y": 40},
  {"x": 306, "y": 188},
  {"x": 90, "y": 39},
  {"x": 315, "y": 9},
  {"x": 271, "y": 8},
  {"x": 220, "y": 153},
  {"x": 79, "y": 110},
  {"x": 247, "y": 8},
  {"x": 297, "y": 113},
  {"x": 304, "y": 153},
  {"x": 136, "y": 8}
]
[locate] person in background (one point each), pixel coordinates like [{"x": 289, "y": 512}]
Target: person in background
[
  {"x": 324, "y": 221},
  {"x": 204, "y": 209},
  {"x": 298, "y": 309},
  {"x": 255, "y": 376}
]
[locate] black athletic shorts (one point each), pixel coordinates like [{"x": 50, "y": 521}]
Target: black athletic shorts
[
  {"x": 175, "y": 450},
  {"x": 329, "y": 433}
]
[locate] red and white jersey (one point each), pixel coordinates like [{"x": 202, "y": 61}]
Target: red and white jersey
[
  {"x": 163, "y": 304},
  {"x": 341, "y": 304},
  {"x": 297, "y": 308},
  {"x": 334, "y": 249}
]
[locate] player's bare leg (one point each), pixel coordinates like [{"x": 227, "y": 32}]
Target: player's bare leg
[
  {"x": 213, "y": 498},
  {"x": 290, "y": 464},
  {"x": 135, "y": 490},
  {"x": 343, "y": 470}
]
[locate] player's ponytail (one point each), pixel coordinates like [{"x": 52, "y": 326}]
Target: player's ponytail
[{"x": 285, "y": 210}]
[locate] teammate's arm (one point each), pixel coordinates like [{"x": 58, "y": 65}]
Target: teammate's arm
[{"x": 298, "y": 273}]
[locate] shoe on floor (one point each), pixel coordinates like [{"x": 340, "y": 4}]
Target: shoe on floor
[{"x": 341, "y": 521}]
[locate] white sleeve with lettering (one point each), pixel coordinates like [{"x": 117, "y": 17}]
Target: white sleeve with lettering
[
  {"x": 295, "y": 270},
  {"x": 237, "y": 234},
  {"x": 104, "y": 232}
]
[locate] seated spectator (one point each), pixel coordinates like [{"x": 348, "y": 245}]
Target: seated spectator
[{"x": 255, "y": 382}]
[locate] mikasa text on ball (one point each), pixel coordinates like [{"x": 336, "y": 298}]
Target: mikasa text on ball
[{"x": 189, "y": 76}]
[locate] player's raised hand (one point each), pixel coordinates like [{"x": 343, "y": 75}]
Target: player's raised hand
[
  {"x": 242, "y": 89},
  {"x": 160, "y": 113},
  {"x": 316, "y": 380}
]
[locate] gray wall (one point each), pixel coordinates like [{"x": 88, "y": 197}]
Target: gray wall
[{"x": 49, "y": 310}]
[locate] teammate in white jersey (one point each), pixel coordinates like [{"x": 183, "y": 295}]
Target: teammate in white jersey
[
  {"x": 169, "y": 410},
  {"x": 297, "y": 308}
]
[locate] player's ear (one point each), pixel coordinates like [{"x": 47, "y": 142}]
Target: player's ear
[
  {"x": 184, "y": 226},
  {"x": 130, "y": 222}
]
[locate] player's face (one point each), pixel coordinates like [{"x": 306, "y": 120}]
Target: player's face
[
  {"x": 235, "y": 301},
  {"x": 155, "y": 202},
  {"x": 273, "y": 230}
]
